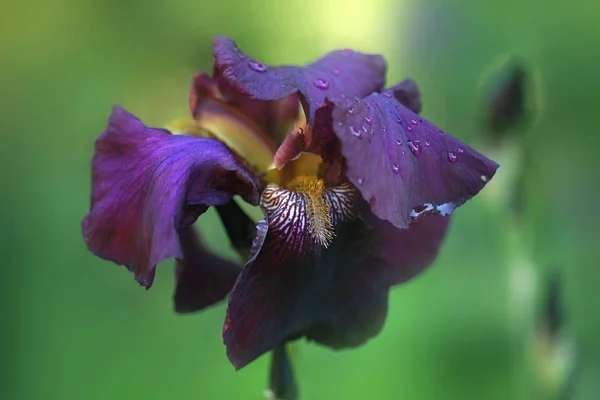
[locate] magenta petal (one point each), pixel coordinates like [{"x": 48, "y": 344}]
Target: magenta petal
[
  {"x": 401, "y": 162},
  {"x": 339, "y": 74},
  {"x": 335, "y": 296},
  {"x": 147, "y": 184},
  {"x": 203, "y": 278}
]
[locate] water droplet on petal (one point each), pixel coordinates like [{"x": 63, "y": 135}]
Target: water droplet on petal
[
  {"x": 396, "y": 169},
  {"x": 369, "y": 120},
  {"x": 414, "y": 148},
  {"x": 351, "y": 111},
  {"x": 442, "y": 132},
  {"x": 356, "y": 99},
  {"x": 336, "y": 72},
  {"x": 398, "y": 120},
  {"x": 460, "y": 150},
  {"x": 409, "y": 128},
  {"x": 361, "y": 181},
  {"x": 256, "y": 66},
  {"x": 452, "y": 157},
  {"x": 387, "y": 94},
  {"x": 484, "y": 178},
  {"x": 340, "y": 123},
  {"x": 414, "y": 121},
  {"x": 241, "y": 56},
  {"x": 399, "y": 142},
  {"x": 321, "y": 84},
  {"x": 427, "y": 144},
  {"x": 355, "y": 132},
  {"x": 384, "y": 128},
  {"x": 372, "y": 132},
  {"x": 403, "y": 152}
]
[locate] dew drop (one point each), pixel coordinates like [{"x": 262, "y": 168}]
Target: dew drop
[
  {"x": 384, "y": 128},
  {"x": 322, "y": 84},
  {"x": 361, "y": 181},
  {"x": 409, "y": 128},
  {"x": 396, "y": 169},
  {"x": 427, "y": 144},
  {"x": 403, "y": 152},
  {"x": 355, "y": 132},
  {"x": 414, "y": 121},
  {"x": 336, "y": 72},
  {"x": 484, "y": 178},
  {"x": 452, "y": 157},
  {"x": 356, "y": 99},
  {"x": 351, "y": 111},
  {"x": 372, "y": 132},
  {"x": 398, "y": 120},
  {"x": 369, "y": 120},
  {"x": 442, "y": 132},
  {"x": 387, "y": 94},
  {"x": 399, "y": 142},
  {"x": 414, "y": 148},
  {"x": 256, "y": 66},
  {"x": 241, "y": 56},
  {"x": 460, "y": 150}
]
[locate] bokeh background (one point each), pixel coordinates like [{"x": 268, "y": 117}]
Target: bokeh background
[{"x": 76, "y": 327}]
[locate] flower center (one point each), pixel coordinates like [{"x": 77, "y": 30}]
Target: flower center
[{"x": 308, "y": 207}]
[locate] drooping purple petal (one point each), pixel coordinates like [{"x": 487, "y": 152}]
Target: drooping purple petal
[
  {"x": 203, "y": 278},
  {"x": 292, "y": 287},
  {"x": 401, "y": 162},
  {"x": 274, "y": 117},
  {"x": 339, "y": 74},
  {"x": 408, "y": 252},
  {"x": 147, "y": 184}
]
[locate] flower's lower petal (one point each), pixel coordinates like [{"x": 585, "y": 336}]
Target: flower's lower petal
[
  {"x": 339, "y": 74},
  {"x": 203, "y": 278},
  {"x": 401, "y": 162},
  {"x": 292, "y": 287},
  {"x": 409, "y": 251},
  {"x": 147, "y": 184}
]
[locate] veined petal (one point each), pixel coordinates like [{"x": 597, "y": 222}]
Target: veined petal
[
  {"x": 147, "y": 184},
  {"x": 337, "y": 75},
  {"x": 401, "y": 162},
  {"x": 408, "y": 252},
  {"x": 292, "y": 287},
  {"x": 203, "y": 278}
]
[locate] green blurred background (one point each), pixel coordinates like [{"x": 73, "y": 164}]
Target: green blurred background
[{"x": 77, "y": 327}]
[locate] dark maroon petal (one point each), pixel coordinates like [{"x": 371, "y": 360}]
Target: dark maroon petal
[
  {"x": 407, "y": 93},
  {"x": 339, "y": 74},
  {"x": 292, "y": 287},
  {"x": 404, "y": 165},
  {"x": 203, "y": 278},
  {"x": 147, "y": 184},
  {"x": 409, "y": 251}
]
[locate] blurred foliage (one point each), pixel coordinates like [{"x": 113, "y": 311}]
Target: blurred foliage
[{"x": 76, "y": 327}]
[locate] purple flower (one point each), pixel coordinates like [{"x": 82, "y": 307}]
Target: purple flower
[{"x": 359, "y": 200}]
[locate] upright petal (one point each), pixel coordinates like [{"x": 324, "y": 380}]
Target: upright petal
[
  {"x": 404, "y": 165},
  {"x": 203, "y": 278},
  {"x": 147, "y": 184},
  {"x": 339, "y": 74},
  {"x": 293, "y": 287}
]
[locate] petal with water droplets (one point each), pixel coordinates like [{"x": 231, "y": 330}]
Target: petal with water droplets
[
  {"x": 148, "y": 184},
  {"x": 291, "y": 287},
  {"x": 394, "y": 180}
]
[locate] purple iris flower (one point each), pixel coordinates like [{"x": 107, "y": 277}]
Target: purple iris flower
[{"x": 356, "y": 190}]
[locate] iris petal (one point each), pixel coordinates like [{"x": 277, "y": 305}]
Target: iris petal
[
  {"x": 203, "y": 278},
  {"x": 292, "y": 287},
  {"x": 399, "y": 161},
  {"x": 147, "y": 184}
]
